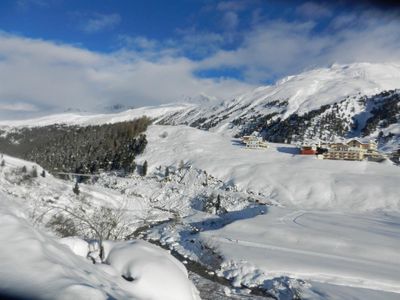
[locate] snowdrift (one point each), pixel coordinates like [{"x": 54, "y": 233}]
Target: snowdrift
[{"x": 34, "y": 265}]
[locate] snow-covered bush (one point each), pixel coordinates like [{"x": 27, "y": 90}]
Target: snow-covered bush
[{"x": 100, "y": 223}]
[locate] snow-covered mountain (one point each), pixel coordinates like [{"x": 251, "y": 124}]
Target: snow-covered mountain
[
  {"x": 342, "y": 101},
  {"x": 153, "y": 112},
  {"x": 344, "y": 95}
]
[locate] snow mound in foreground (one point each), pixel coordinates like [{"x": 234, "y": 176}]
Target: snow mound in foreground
[
  {"x": 148, "y": 267},
  {"x": 34, "y": 265}
]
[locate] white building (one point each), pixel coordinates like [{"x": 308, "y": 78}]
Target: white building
[{"x": 254, "y": 142}]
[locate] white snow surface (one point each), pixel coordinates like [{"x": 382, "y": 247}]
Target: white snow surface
[
  {"x": 36, "y": 265},
  {"x": 276, "y": 173},
  {"x": 155, "y": 273},
  {"x": 342, "y": 249},
  {"x": 314, "y": 88}
]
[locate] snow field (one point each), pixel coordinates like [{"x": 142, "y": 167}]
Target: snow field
[
  {"x": 277, "y": 174},
  {"x": 343, "y": 249}
]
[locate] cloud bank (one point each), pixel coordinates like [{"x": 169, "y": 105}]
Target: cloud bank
[
  {"x": 47, "y": 75},
  {"x": 276, "y": 48}
]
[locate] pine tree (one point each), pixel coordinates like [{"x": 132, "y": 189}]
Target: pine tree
[
  {"x": 43, "y": 174},
  {"x": 218, "y": 203},
  {"x": 34, "y": 172},
  {"x": 144, "y": 168},
  {"x": 76, "y": 189},
  {"x": 166, "y": 172},
  {"x": 3, "y": 163}
]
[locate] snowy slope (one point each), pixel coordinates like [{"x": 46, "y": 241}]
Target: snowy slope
[
  {"x": 30, "y": 258},
  {"x": 276, "y": 173},
  {"x": 340, "y": 218},
  {"x": 35, "y": 265},
  {"x": 335, "y": 223},
  {"x": 299, "y": 93},
  {"x": 342, "y": 249},
  {"x": 302, "y": 93},
  {"x": 94, "y": 119},
  {"x": 322, "y": 104}
]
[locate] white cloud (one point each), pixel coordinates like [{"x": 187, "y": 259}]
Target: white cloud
[
  {"x": 230, "y": 20},
  {"x": 149, "y": 72},
  {"x": 18, "y": 106},
  {"x": 98, "y": 22},
  {"x": 314, "y": 10},
  {"x": 278, "y": 48},
  {"x": 138, "y": 42},
  {"x": 58, "y": 76}
]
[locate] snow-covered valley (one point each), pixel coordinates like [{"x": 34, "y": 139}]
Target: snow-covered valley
[
  {"x": 324, "y": 247},
  {"x": 292, "y": 225},
  {"x": 278, "y": 173},
  {"x": 235, "y": 223}
]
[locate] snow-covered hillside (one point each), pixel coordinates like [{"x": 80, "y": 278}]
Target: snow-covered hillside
[
  {"x": 298, "y": 94},
  {"x": 201, "y": 199},
  {"x": 276, "y": 173},
  {"x": 94, "y": 119},
  {"x": 35, "y": 264},
  {"x": 295, "y": 94},
  {"x": 342, "y": 101},
  {"x": 335, "y": 227}
]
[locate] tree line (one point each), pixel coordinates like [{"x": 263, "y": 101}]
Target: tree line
[{"x": 85, "y": 150}]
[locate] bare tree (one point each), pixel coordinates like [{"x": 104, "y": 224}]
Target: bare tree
[{"x": 99, "y": 223}]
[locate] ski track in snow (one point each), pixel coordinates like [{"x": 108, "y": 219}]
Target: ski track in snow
[{"x": 358, "y": 272}]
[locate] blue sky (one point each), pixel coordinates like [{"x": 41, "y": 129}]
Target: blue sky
[{"x": 56, "y": 54}]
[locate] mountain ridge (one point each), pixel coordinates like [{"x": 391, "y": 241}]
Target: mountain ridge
[{"x": 296, "y": 108}]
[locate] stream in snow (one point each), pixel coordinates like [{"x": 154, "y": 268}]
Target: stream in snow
[{"x": 210, "y": 285}]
